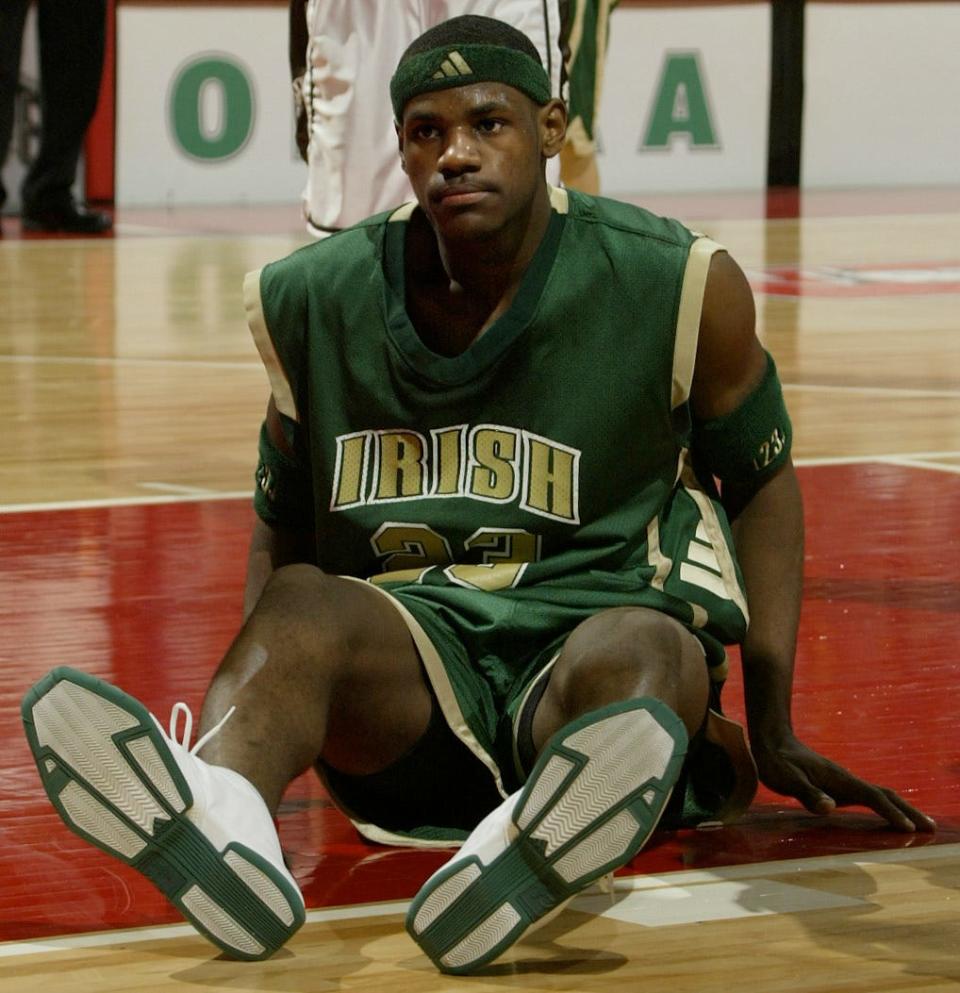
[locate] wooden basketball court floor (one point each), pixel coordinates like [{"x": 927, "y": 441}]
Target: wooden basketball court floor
[{"x": 130, "y": 398}]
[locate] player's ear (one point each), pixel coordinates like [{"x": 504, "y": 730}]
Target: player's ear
[
  {"x": 552, "y": 121},
  {"x": 399, "y": 132}
]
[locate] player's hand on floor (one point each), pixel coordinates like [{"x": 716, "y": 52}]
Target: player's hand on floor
[{"x": 793, "y": 769}]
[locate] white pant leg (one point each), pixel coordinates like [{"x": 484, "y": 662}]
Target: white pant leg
[{"x": 353, "y": 166}]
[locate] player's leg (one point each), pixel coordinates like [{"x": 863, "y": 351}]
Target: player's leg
[
  {"x": 72, "y": 40},
  {"x": 324, "y": 667},
  {"x": 353, "y": 167},
  {"x": 628, "y": 690},
  {"x": 579, "y": 172},
  {"x": 625, "y": 654},
  {"x": 13, "y": 15},
  {"x": 586, "y": 31},
  {"x": 315, "y": 654}
]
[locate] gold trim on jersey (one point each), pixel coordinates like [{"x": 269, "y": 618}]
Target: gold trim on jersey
[
  {"x": 559, "y": 199},
  {"x": 710, "y": 537},
  {"x": 662, "y": 563},
  {"x": 404, "y": 212},
  {"x": 688, "y": 317},
  {"x": 257, "y": 321},
  {"x": 542, "y": 675}
]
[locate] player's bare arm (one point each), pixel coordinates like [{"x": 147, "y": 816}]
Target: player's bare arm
[{"x": 767, "y": 517}]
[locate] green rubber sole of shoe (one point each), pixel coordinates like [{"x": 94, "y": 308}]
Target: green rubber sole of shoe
[
  {"x": 594, "y": 797},
  {"x": 109, "y": 773}
]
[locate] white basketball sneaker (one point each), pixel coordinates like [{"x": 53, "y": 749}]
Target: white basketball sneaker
[
  {"x": 199, "y": 832},
  {"x": 594, "y": 797}
]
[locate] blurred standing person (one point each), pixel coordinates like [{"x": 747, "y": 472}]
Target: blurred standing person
[{"x": 72, "y": 37}]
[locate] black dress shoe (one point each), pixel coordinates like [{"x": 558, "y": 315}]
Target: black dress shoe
[{"x": 69, "y": 219}]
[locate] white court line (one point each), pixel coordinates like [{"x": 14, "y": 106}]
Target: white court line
[
  {"x": 912, "y": 463},
  {"x": 908, "y": 460},
  {"x": 132, "y": 229},
  {"x": 818, "y": 863},
  {"x": 152, "y": 231},
  {"x": 884, "y": 391},
  {"x": 170, "y": 931},
  {"x": 928, "y": 215},
  {"x": 187, "y": 492},
  {"x": 672, "y": 880},
  {"x": 252, "y": 363},
  {"x": 890, "y": 458},
  {"x": 136, "y": 501}
]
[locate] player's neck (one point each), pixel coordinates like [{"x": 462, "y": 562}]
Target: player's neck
[
  {"x": 455, "y": 291},
  {"x": 493, "y": 266}
]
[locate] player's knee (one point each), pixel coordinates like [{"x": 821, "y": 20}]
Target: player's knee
[
  {"x": 297, "y": 617},
  {"x": 631, "y": 652},
  {"x": 288, "y": 585},
  {"x": 291, "y": 597},
  {"x": 622, "y": 642}
]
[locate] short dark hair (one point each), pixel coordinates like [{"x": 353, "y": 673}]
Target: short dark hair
[{"x": 472, "y": 29}]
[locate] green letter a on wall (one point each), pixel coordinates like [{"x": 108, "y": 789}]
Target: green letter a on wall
[{"x": 680, "y": 106}]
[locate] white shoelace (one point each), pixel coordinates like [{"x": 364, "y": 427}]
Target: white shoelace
[
  {"x": 605, "y": 884},
  {"x": 184, "y": 742}
]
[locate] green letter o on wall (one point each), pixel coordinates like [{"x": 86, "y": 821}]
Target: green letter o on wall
[{"x": 189, "y": 108}]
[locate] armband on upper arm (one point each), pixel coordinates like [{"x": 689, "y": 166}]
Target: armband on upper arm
[
  {"x": 750, "y": 443},
  {"x": 284, "y": 492}
]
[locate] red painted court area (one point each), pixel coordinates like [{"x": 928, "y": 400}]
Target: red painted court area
[
  {"x": 148, "y": 596},
  {"x": 850, "y": 281}
]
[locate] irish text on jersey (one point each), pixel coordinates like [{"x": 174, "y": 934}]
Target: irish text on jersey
[{"x": 487, "y": 462}]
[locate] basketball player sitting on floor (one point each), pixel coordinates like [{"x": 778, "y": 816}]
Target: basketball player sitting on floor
[{"x": 491, "y": 581}]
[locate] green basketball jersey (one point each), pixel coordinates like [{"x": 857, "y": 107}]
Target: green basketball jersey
[
  {"x": 551, "y": 454},
  {"x": 509, "y": 492}
]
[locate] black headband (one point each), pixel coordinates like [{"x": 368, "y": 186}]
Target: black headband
[{"x": 461, "y": 65}]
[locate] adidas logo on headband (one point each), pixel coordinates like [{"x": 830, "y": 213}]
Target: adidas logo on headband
[{"x": 453, "y": 65}]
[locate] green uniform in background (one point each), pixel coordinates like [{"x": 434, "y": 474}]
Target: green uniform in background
[
  {"x": 504, "y": 495},
  {"x": 586, "y": 30}
]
